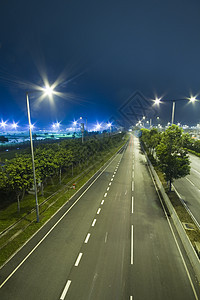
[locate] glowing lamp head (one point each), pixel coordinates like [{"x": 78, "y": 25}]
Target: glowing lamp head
[
  {"x": 14, "y": 125},
  {"x": 48, "y": 90},
  {"x": 3, "y": 124},
  {"x": 192, "y": 99},
  {"x": 157, "y": 101},
  {"x": 98, "y": 126}
]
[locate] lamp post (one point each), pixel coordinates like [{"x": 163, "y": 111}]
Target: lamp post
[
  {"x": 191, "y": 99},
  {"x": 48, "y": 90},
  {"x": 158, "y": 101},
  {"x": 83, "y": 127},
  {"x": 32, "y": 155}
]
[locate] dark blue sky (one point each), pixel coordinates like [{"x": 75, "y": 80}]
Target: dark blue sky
[{"x": 102, "y": 52}]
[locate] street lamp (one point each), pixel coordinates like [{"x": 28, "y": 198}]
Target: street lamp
[
  {"x": 191, "y": 99},
  {"x": 14, "y": 125},
  {"x": 46, "y": 91},
  {"x": 158, "y": 101},
  {"x": 3, "y": 124},
  {"x": 109, "y": 125},
  {"x": 98, "y": 126}
]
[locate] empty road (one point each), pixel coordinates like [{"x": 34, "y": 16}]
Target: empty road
[{"x": 112, "y": 242}]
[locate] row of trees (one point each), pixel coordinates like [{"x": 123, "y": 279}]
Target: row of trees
[
  {"x": 168, "y": 149},
  {"x": 16, "y": 176}
]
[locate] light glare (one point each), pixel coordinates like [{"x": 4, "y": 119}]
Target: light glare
[{"x": 157, "y": 101}]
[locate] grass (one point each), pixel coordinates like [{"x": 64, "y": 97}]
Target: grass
[{"x": 17, "y": 236}]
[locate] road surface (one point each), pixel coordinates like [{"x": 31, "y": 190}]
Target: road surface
[
  {"x": 189, "y": 187},
  {"x": 114, "y": 243}
]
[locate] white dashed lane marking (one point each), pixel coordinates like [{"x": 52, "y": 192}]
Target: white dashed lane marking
[
  {"x": 93, "y": 223},
  {"x": 62, "y": 297},
  {"x": 78, "y": 259},
  {"x": 87, "y": 238}
]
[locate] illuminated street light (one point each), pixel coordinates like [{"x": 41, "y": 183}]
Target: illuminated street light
[
  {"x": 157, "y": 101},
  {"x": 48, "y": 91},
  {"x": 14, "y": 125},
  {"x": 75, "y": 123},
  {"x": 109, "y": 125},
  {"x": 57, "y": 124},
  {"x": 3, "y": 124},
  {"x": 98, "y": 126},
  {"x": 191, "y": 99}
]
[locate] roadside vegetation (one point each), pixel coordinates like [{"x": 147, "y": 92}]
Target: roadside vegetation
[
  {"x": 168, "y": 154},
  {"x": 61, "y": 169}
]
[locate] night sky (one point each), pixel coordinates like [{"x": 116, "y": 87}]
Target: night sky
[{"x": 102, "y": 55}]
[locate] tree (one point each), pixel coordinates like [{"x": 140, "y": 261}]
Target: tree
[
  {"x": 173, "y": 158},
  {"x": 18, "y": 172},
  {"x": 187, "y": 141},
  {"x": 63, "y": 159},
  {"x": 44, "y": 165}
]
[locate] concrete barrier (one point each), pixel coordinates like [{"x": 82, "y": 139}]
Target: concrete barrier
[{"x": 192, "y": 255}]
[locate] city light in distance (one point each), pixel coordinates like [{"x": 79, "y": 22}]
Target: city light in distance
[
  {"x": 14, "y": 125},
  {"x": 74, "y": 123},
  {"x": 98, "y": 126},
  {"x": 3, "y": 124}
]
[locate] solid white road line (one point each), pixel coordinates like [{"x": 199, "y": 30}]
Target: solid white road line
[
  {"x": 52, "y": 228},
  {"x": 78, "y": 259},
  {"x": 87, "y": 238},
  {"x": 131, "y": 244},
  {"x": 102, "y": 202},
  {"x": 93, "y": 223},
  {"x": 195, "y": 171},
  {"x": 131, "y": 297},
  {"x": 190, "y": 181},
  {"x": 62, "y": 297},
  {"x": 132, "y": 204},
  {"x": 105, "y": 195},
  {"x": 98, "y": 211}
]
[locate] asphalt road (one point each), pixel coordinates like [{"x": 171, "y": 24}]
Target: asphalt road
[
  {"x": 189, "y": 187},
  {"x": 114, "y": 243}
]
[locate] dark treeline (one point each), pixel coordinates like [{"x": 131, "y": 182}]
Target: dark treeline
[{"x": 53, "y": 159}]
